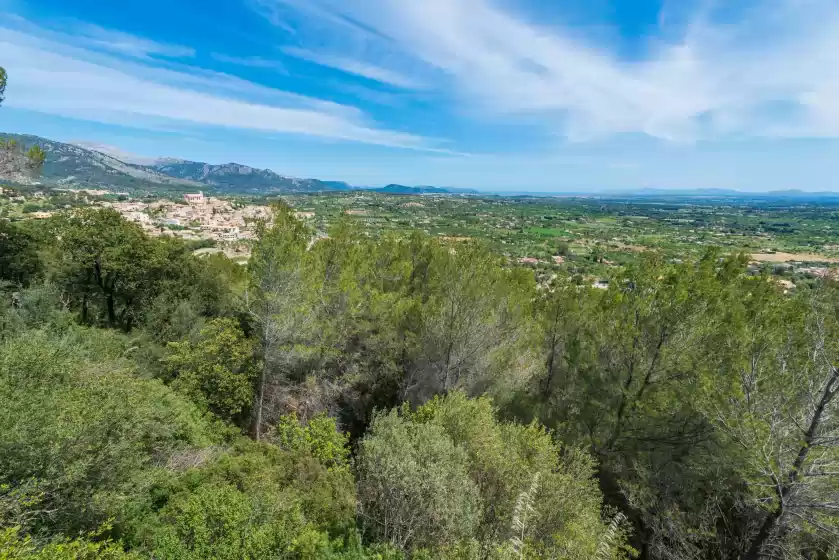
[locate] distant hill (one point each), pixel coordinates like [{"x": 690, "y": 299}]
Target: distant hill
[
  {"x": 402, "y": 189},
  {"x": 91, "y": 165},
  {"x": 80, "y": 165},
  {"x": 71, "y": 165},
  {"x": 237, "y": 178},
  {"x": 645, "y": 192},
  {"x": 727, "y": 194}
]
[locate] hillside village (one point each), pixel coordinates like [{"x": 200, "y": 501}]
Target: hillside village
[
  {"x": 228, "y": 224},
  {"x": 197, "y": 217}
]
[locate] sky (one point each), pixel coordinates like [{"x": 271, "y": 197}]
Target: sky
[{"x": 503, "y": 95}]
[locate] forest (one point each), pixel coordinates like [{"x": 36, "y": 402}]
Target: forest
[{"x": 404, "y": 397}]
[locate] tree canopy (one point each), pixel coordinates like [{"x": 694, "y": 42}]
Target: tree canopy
[{"x": 403, "y": 397}]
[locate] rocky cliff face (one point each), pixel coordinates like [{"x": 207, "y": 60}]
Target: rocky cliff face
[{"x": 234, "y": 177}]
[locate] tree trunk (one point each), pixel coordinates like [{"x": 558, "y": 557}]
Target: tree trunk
[
  {"x": 548, "y": 386},
  {"x": 260, "y": 400},
  {"x": 770, "y": 523},
  {"x": 763, "y": 535},
  {"x": 446, "y": 381},
  {"x": 112, "y": 317},
  {"x": 614, "y": 496},
  {"x": 125, "y": 317}
]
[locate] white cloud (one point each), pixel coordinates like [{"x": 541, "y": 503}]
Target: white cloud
[
  {"x": 127, "y": 44},
  {"x": 251, "y": 61},
  {"x": 356, "y": 67},
  {"x": 773, "y": 71},
  {"x": 52, "y": 76}
]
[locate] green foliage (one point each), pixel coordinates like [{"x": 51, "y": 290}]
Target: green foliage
[
  {"x": 37, "y": 307},
  {"x": 686, "y": 411},
  {"x": 19, "y": 260},
  {"x": 280, "y": 248},
  {"x": 15, "y": 547},
  {"x": 474, "y": 325},
  {"x": 319, "y": 437},
  {"x": 504, "y": 458},
  {"x": 563, "y": 248},
  {"x": 413, "y": 485},
  {"x": 216, "y": 371},
  {"x": 253, "y": 502},
  {"x": 79, "y": 434},
  {"x": 107, "y": 265},
  {"x": 113, "y": 273},
  {"x": 171, "y": 319},
  {"x": 451, "y": 473},
  {"x": 277, "y": 299},
  {"x": 387, "y": 319},
  {"x": 775, "y": 416},
  {"x": 3, "y": 79},
  {"x": 35, "y": 158}
]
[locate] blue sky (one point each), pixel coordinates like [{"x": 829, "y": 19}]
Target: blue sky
[{"x": 573, "y": 95}]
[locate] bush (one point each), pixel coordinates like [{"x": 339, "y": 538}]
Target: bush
[
  {"x": 413, "y": 485},
  {"x": 451, "y": 477},
  {"x": 254, "y": 501},
  {"x": 15, "y": 547},
  {"x": 79, "y": 440},
  {"x": 217, "y": 371},
  {"x": 320, "y": 438}
]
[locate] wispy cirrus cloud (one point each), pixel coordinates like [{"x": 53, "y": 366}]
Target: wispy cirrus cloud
[
  {"x": 57, "y": 74},
  {"x": 357, "y": 67},
  {"x": 251, "y": 62},
  {"x": 771, "y": 70},
  {"x": 127, "y": 44}
]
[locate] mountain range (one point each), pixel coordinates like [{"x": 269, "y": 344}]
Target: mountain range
[
  {"x": 98, "y": 166},
  {"x": 88, "y": 165}
]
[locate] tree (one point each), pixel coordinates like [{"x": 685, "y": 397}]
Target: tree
[
  {"x": 623, "y": 371},
  {"x": 472, "y": 331},
  {"x": 320, "y": 438},
  {"x": 104, "y": 266},
  {"x": 276, "y": 298},
  {"x": 506, "y": 459},
  {"x": 254, "y": 501},
  {"x": 563, "y": 316},
  {"x": 35, "y": 158},
  {"x": 562, "y": 248},
  {"x": 3, "y": 77},
  {"x": 19, "y": 260},
  {"x": 597, "y": 253},
  {"x": 90, "y": 448},
  {"x": 113, "y": 273},
  {"x": 217, "y": 371},
  {"x": 775, "y": 382}
]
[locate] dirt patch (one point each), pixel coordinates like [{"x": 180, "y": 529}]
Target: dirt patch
[
  {"x": 630, "y": 248},
  {"x": 791, "y": 257}
]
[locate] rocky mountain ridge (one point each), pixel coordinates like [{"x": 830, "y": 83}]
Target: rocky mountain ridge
[{"x": 91, "y": 165}]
